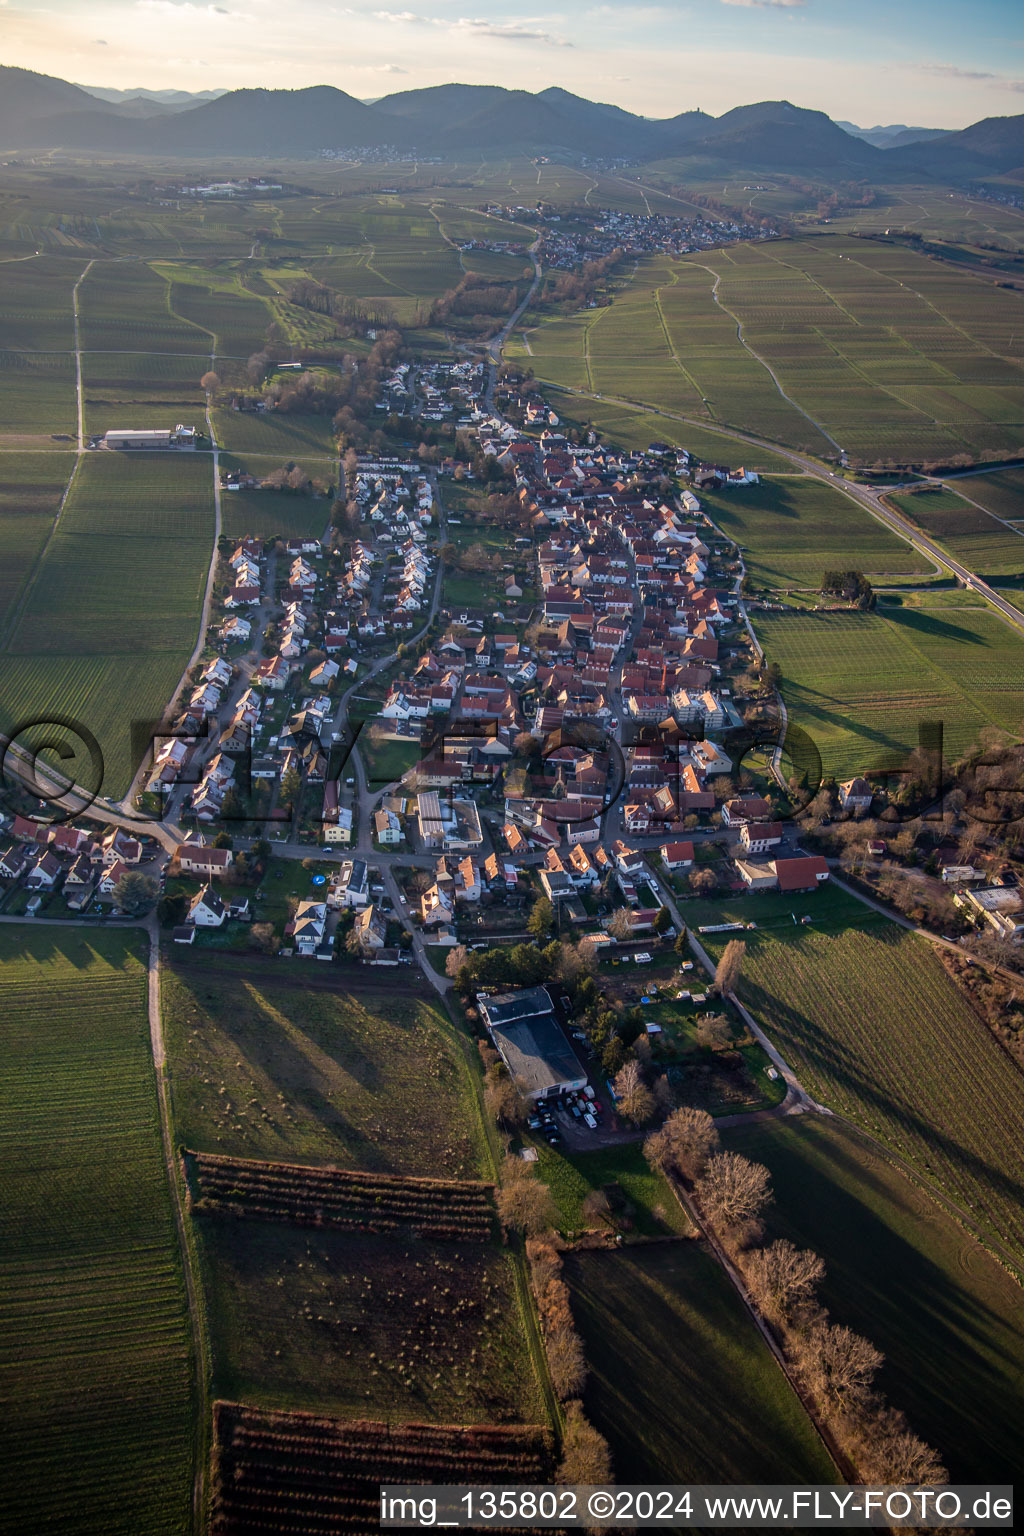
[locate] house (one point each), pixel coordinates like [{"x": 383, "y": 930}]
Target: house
[
  {"x": 757, "y": 877},
  {"x": 1000, "y": 906},
  {"x": 340, "y": 829},
  {"x": 800, "y": 874},
  {"x": 43, "y": 875},
  {"x": 110, "y": 878},
  {"x": 118, "y": 845},
  {"x": 371, "y": 928},
  {"x": 856, "y": 796},
  {"x": 350, "y": 887},
  {"x": 199, "y": 859},
  {"x": 13, "y": 862},
  {"x": 272, "y": 673},
  {"x": 437, "y": 907},
  {"x": 557, "y": 885},
  {"x": 758, "y": 837},
  {"x": 307, "y": 926},
  {"x": 531, "y": 1042},
  {"x": 735, "y": 813},
  {"x": 677, "y": 855},
  {"x": 206, "y": 909},
  {"x": 79, "y": 877},
  {"x": 387, "y": 828}
]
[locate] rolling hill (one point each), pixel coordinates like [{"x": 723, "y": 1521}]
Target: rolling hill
[{"x": 40, "y": 111}]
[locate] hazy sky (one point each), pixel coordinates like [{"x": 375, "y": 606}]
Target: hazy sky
[{"x": 941, "y": 63}]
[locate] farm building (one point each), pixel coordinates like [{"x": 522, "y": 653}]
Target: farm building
[
  {"x": 801, "y": 874},
  {"x": 531, "y": 1043},
  {"x": 150, "y": 437}
]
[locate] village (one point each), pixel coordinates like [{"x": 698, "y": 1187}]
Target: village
[{"x": 391, "y": 755}]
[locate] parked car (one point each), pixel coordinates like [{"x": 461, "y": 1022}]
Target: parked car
[{"x": 591, "y": 1121}]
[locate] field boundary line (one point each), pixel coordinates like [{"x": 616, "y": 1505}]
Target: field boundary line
[{"x": 186, "y": 1243}]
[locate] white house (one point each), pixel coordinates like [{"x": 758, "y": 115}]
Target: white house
[{"x": 207, "y": 910}]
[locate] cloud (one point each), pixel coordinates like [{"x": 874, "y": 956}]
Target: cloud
[
  {"x": 390, "y": 69},
  {"x": 765, "y": 5},
  {"x": 954, "y": 72},
  {"x": 480, "y": 26},
  {"x": 100, "y": 42}
]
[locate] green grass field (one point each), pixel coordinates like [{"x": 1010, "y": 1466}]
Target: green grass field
[
  {"x": 947, "y": 1317},
  {"x": 572, "y": 1177},
  {"x": 681, "y": 1383},
  {"x": 112, "y": 610},
  {"x": 366, "y": 1326},
  {"x": 264, "y": 1069},
  {"x": 877, "y": 1031},
  {"x": 94, "y": 1340},
  {"x": 793, "y": 528},
  {"x": 860, "y": 683},
  {"x": 972, "y": 536},
  {"x": 284, "y": 437}
]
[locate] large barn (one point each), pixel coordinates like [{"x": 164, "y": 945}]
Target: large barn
[{"x": 532, "y": 1043}]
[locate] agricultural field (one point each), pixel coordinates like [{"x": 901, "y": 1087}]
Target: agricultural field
[
  {"x": 793, "y": 528},
  {"x": 981, "y": 542},
  {"x": 681, "y": 1383},
  {"x": 275, "y": 433},
  {"x": 124, "y": 306},
  {"x": 111, "y": 611},
  {"x": 860, "y": 683},
  {"x": 37, "y": 398},
  {"x": 261, "y": 1069},
  {"x": 1001, "y": 493},
  {"x": 874, "y": 348},
  {"x": 876, "y": 1031},
  {"x": 346, "y": 1201},
  {"x": 95, "y": 1350},
  {"x": 365, "y": 1325},
  {"x": 269, "y": 514},
  {"x": 947, "y": 1316},
  {"x": 31, "y": 486},
  {"x": 139, "y": 389},
  {"x": 37, "y": 310},
  {"x": 263, "y": 1459}
]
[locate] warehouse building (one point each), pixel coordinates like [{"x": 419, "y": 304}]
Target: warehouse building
[
  {"x": 150, "y": 437},
  {"x": 532, "y": 1043}
]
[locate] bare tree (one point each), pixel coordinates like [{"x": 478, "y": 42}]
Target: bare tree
[
  {"x": 782, "y": 1278},
  {"x": 523, "y": 1202},
  {"x": 840, "y": 1366},
  {"x": 727, "y": 971},
  {"x": 733, "y": 1190},
  {"x": 502, "y": 1100},
  {"x": 893, "y": 1454},
  {"x": 455, "y": 960},
  {"x": 620, "y": 924},
  {"x": 635, "y": 1099},
  {"x": 585, "y": 1454},
  {"x": 714, "y": 1032},
  {"x": 684, "y": 1143},
  {"x": 210, "y": 382},
  {"x": 596, "y": 1206},
  {"x": 566, "y": 1362}
]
